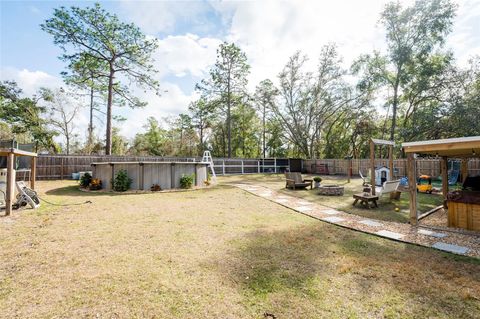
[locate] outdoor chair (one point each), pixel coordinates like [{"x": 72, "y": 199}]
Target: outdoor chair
[
  {"x": 295, "y": 180},
  {"x": 387, "y": 187}
]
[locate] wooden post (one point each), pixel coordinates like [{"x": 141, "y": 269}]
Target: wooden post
[
  {"x": 33, "y": 171},
  {"x": 61, "y": 168},
  {"x": 141, "y": 177},
  {"x": 223, "y": 167},
  {"x": 349, "y": 168},
  {"x": 113, "y": 175},
  {"x": 464, "y": 169},
  {"x": 444, "y": 166},
  {"x": 10, "y": 182},
  {"x": 172, "y": 175},
  {"x": 258, "y": 167},
  {"x": 412, "y": 187},
  {"x": 372, "y": 166},
  {"x": 390, "y": 161}
]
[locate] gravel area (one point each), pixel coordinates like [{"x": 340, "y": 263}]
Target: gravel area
[{"x": 431, "y": 232}]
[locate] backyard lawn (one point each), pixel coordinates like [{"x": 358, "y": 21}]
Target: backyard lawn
[
  {"x": 386, "y": 210},
  {"x": 215, "y": 253}
]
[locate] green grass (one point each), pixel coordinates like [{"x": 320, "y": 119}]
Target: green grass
[
  {"x": 214, "y": 253},
  {"x": 386, "y": 210}
]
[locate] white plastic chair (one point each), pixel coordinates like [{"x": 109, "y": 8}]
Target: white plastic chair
[{"x": 387, "y": 187}]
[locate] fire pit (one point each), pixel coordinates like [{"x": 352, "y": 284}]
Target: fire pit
[{"x": 330, "y": 190}]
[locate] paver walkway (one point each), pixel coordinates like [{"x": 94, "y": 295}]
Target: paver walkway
[{"x": 461, "y": 244}]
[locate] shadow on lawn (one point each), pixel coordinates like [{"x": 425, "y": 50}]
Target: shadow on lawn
[
  {"x": 312, "y": 261},
  {"x": 74, "y": 190}
]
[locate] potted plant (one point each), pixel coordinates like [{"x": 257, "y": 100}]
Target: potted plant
[{"x": 317, "y": 180}]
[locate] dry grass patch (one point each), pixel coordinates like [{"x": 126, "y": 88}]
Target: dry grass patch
[{"x": 214, "y": 253}]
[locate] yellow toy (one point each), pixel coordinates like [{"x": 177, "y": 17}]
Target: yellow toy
[{"x": 424, "y": 184}]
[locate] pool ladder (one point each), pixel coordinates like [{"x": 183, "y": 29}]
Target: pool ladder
[{"x": 207, "y": 158}]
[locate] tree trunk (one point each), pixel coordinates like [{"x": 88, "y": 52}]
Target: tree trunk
[
  {"x": 395, "y": 105},
  {"x": 90, "y": 126},
  {"x": 201, "y": 139},
  {"x": 108, "y": 142},
  {"x": 229, "y": 127},
  {"x": 67, "y": 137},
  {"x": 264, "y": 146}
]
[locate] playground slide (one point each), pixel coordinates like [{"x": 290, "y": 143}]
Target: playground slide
[{"x": 453, "y": 173}]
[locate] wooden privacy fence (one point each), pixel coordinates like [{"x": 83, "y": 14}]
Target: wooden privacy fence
[
  {"x": 424, "y": 166},
  {"x": 62, "y": 166}
]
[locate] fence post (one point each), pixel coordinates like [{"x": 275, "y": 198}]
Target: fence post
[
  {"x": 223, "y": 167},
  {"x": 242, "y": 167},
  {"x": 275, "y": 164},
  {"x": 258, "y": 166}
]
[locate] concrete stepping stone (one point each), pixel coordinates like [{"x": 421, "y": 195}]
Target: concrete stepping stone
[
  {"x": 303, "y": 209},
  {"x": 451, "y": 248},
  {"x": 304, "y": 203},
  {"x": 389, "y": 234},
  {"x": 369, "y": 222},
  {"x": 281, "y": 200},
  {"x": 431, "y": 233},
  {"x": 330, "y": 211},
  {"x": 265, "y": 194},
  {"x": 333, "y": 219}
]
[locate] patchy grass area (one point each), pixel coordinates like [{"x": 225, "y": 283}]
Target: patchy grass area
[
  {"x": 215, "y": 253},
  {"x": 385, "y": 211}
]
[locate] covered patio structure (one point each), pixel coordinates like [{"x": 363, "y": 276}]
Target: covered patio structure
[
  {"x": 460, "y": 148},
  {"x": 11, "y": 153}
]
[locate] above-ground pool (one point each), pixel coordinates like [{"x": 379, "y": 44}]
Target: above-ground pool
[{"x": 146, "y": 174}]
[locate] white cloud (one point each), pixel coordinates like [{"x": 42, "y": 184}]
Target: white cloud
[
  {"x": 185, "y": 54},
  {"x": 271, "y": 31},
  {"x": 172, "y": 102},
  {"x": 30, "y": 81},
  {"x": 465, "y": 37},
  {"x": 163, "y": 16}
]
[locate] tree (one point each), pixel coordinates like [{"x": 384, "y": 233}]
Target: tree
[
  {"x": 63, "y": 110},
  {"x": 227, "y": 83},
  {"x": 153, "y": 141},
  {"x": 104, "y": 40},
  {"x": 25, "y": 116},
  {"x": 202, "y": 116},
  {"x": 265, "y": 94},
  {"x": 87, "y": 73},
  {"x": 119, "y": 142},
  {"x": 308, "y": 101},
  {"x": 245, "y": 126},
  {"x": 412, "y": 34}
]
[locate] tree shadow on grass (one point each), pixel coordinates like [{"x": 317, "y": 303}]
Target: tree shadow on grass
[{"x": 363, "y": 271}]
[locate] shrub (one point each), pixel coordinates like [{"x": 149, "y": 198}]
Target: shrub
[
  {"x": 186, "y": 181},
  {"x": 85, "y": 180},
  {"x": 121, "y": 182},
  {"x": 317, "y": 179}
]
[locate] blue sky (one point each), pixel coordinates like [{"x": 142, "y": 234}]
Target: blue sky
[{"x": 190, "y": 31}]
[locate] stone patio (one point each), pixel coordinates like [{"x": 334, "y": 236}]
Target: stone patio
[{"x": 452, "y": 242}]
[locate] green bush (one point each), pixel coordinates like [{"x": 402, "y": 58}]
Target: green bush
[
  {"x": 317, "y": 179},
  {"x": 121, "y": 182},
  {"x": 85, "y": 180},
  {"x": 186, "y": 181}
]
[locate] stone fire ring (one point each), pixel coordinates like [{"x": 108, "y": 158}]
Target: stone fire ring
[{"x": 330, "y": 190}]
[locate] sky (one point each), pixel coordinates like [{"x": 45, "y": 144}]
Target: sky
[{"x": 189, "y": 33}]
